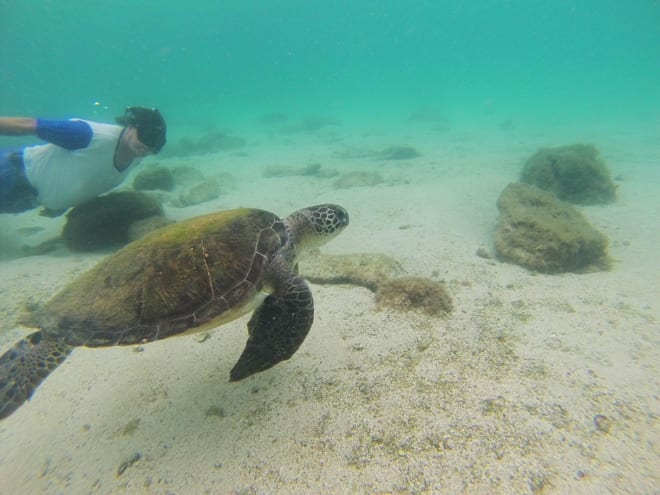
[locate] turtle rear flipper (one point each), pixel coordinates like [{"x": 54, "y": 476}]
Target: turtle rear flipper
[
  {"x": 276, "y": 329},
  {"x": 25, "y": 366}
]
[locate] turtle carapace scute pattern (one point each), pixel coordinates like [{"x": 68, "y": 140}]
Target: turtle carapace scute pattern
[{"x": 187, "y": 277}]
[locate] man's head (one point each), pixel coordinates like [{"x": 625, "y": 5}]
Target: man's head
[{"x": 150, "y": 126}]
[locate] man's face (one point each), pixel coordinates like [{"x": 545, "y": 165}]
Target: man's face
[{"x": 137, "y": 147}]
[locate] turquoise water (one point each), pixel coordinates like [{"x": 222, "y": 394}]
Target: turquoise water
[
  {"x": 534, "y": 384},
  {"x": 362, "y": 61}
]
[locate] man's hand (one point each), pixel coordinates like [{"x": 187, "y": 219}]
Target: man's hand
[{"x": 17, "y": 126}]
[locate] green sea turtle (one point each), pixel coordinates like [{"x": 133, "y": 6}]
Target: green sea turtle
[{"x": 187, "y": 277}]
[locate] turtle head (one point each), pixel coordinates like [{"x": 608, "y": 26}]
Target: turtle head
[{"x": 315, "y": 225}]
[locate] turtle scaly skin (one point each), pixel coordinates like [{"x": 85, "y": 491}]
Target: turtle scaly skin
[{"x": 187, "y": 277}]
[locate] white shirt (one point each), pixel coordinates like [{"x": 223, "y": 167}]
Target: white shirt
[{"x": 65, "y": 178}]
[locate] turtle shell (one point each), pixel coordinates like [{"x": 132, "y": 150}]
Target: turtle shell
[{"x": 188, "y": 276}]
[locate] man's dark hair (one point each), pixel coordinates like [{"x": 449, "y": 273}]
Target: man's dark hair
[{"x": 150, "y": 125}]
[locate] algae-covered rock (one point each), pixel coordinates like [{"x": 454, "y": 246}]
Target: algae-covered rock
[
  {"x": 200, "y": 193},
  {"x": 414, "y": 293},
  {"x": 358, "y": 179},
  {"x": 573, "y": 173},
  {"x": 381, "y": 274},
  {"x": 104, "y": 222},
  {"x": 311, "y": 170},
  {"x": 364, "y": 269},
  {"x": 187, "y": 174},
  {"x": 542, "y": 233},
  {"x": 399, "y": 153},
  {"x": 154, "y": 178}
]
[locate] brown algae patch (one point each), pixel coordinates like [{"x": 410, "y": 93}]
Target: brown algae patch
[
  {"x": 363, "y": 269},
  {"x": 414, "y": 293}
]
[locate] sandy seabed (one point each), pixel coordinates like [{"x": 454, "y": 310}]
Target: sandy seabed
[{"x": 534, "y": 384}]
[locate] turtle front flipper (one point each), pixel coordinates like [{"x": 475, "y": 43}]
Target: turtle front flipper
[
  {"x": 25, "y": 366},
  {"x": 277, "y": 328}
]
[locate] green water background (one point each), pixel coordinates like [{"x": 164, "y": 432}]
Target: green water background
[{"x": 366, "y": 62}]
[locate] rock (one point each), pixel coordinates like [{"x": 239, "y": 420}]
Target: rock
[
  {"x": 573, "y": 173},
  {"x": 311, "y": 170},
  {"x": 414, "y": 293},
  {"x": 364, "y": 269},
  {"x": 358, "y": 179},
  {"x": 200, "y": 193},
  {"x": 186, "y": 174},
  {"x": 154, "y": 178},
  {"x": 398, "y": 153},
  {"x": 542, "y": 233},
  {"x": 103, "y": 222}
]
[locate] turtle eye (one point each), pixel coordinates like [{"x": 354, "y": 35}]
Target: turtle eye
[
  {"x": 341, "y": 217},
  {"x": 333, "y": 218}
]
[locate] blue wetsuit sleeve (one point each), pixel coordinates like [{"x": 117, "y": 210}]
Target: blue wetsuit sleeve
[{"x": 69, "y": 134}]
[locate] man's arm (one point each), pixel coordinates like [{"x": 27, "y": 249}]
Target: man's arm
[
  {"x": 69, "y": 134},
  {"x": 17, "y": 126}
]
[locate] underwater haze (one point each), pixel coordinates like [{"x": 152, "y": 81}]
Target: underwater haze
[
  {"x": 363, "y": 61},
  {"x": 470, "y": 335}
]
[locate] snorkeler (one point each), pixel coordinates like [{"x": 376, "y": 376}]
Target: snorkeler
[{"x": 82, "y": 159}]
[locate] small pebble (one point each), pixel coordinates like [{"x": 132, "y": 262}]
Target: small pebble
[
  {"x": 125, "y": 465},
  {"x": 483, "y": 253},
  {"x": 602, "y": 423}
]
